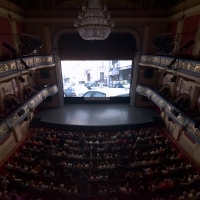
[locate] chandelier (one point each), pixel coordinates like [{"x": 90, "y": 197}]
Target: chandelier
[{"x": 94, "y": 21}]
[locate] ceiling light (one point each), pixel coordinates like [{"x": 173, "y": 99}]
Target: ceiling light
[{"x": 94, "y": 21}]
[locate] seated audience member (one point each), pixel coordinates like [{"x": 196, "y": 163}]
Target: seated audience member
[
  {"x": 32, "y": 185},
  {"x": 4, "y": 196},
  {"x": 125, "y": 190},
  {"x": 15, "y": 197},
  {"x": 166, "y": 184},
  {"x": 102, "y": 191},
  {"x": 197, "y": 176},
  {"x": 23, "y": 168},
  {"x": 193, "y": 195},
  {"x": 137, "y": 163},
  {"x": 8, "y": 166},
  {"x": 180, "y": 155},
  {"x": 189, "y": 166},
  {"x": 41, "y": 187},
  {"x": 149, "y": 172},
  {"x": 184, "y": 197},
  {"x": 94, "y": 178},
  {"x": 31, "y": 171},
  {"x": 48, "y": 173},
  {"x": 62, "y": 189}
]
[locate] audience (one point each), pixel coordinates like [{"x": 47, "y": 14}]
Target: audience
[{"x": 124, "y": 163}]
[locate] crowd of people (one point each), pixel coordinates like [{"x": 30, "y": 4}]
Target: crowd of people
[{"x": 133, "y": 164}]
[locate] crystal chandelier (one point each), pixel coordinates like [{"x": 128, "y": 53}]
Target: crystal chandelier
[{"x": 94, "y": 21}]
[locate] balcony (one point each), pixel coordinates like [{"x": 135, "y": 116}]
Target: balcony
[
  {"x": 181, "y": 118},
  {"x": 24, "y": 110}
]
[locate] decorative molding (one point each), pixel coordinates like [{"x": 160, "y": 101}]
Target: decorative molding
[
  {"x": 3, "y": 129},
  {"x": 12, "y": 66},
  {"x": 167, "y": 107},
  {"x": 161, "y": 61},
  {"x": 35, "y": 101},
  {"x": 14, "y": 118}
]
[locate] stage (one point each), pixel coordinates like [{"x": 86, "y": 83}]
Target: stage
[{"x": 96, "y": 115}]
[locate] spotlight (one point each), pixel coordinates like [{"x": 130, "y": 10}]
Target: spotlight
[
  {"x": 9, "y": 47},
  {"x": 191, "y": 42},
  {"x": 173, "y": 79},
  {"x": 175, "y": 113},
  {"x": 25, "y": 65},
  {"x": 21, "y": 112},
  {"x": 164, "y": 74},
  {"x": 22, "y": 80}
]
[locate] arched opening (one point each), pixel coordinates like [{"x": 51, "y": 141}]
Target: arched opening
[{"x": 111, "y": 76}]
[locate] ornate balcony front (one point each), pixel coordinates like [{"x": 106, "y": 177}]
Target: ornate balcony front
[{"x": 168, "y": 108}]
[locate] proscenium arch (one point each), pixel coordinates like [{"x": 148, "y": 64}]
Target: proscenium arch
[
  {"x": 131, "y": 31},
  {"x": 78, "y": 56}
]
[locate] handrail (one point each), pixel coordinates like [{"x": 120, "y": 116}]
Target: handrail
[
  {"x": 13, "y": 66},
  {"x": 166, "y": 106},
  {"x": 164, "y": 61},
  {"x": 14, "y": 118}
]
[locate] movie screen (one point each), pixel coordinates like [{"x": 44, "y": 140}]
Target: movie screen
[{"x": 99, "y": 78}]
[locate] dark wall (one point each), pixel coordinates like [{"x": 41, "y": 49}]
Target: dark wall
[{"x": 116, "y": 44}]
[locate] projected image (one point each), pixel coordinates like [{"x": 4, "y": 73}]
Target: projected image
[{"x": 100, "y": 78}]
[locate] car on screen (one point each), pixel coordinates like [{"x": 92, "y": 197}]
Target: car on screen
[
  {"x": 106, "y": 93},
  {"x": 75, "y": 91}
]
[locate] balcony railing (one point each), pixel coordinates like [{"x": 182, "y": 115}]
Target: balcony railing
[
  {"x": 13, "y": 66},
  {"x": 182, "y": 119},
  {"x": 185, "y": 66},
  {"x": 15, "y": 119}
]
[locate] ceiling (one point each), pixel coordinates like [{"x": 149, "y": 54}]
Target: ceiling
[
  {"x": 118, "y": 8},
  {"x": 112, "y": 4}
]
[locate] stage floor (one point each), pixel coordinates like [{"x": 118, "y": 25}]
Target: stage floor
[{"x": 97, "y": 115}]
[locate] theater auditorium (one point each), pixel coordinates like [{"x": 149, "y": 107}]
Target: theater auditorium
[{"x": 99, "y": 99}]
